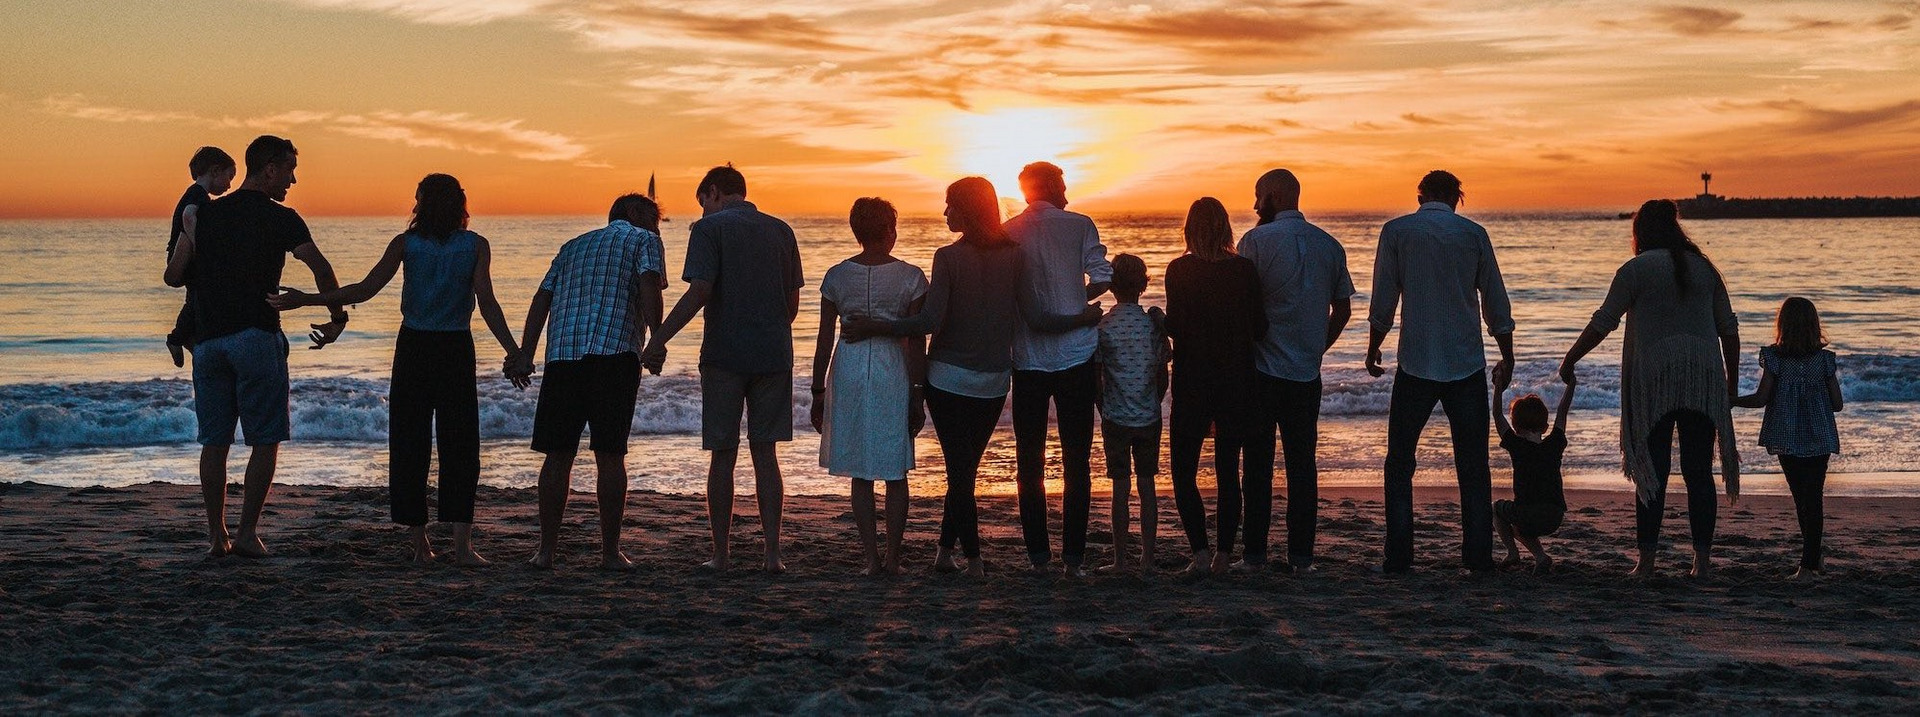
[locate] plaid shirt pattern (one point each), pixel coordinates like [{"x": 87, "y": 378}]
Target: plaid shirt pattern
[{"x": 592, "y": 281}]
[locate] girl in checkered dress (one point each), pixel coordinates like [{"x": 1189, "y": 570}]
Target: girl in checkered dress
[{"x": 1800, "y": 388}]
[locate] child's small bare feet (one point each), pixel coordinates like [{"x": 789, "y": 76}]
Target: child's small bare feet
[
  {"x": 1512, "y": 560},
  {"x": 1542, "y": 565}
]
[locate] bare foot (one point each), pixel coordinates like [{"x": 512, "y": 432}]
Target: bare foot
[
  {"x": 1247, "y": 566},
  {"x": 615, "y": 560},
  {"x": 977, "y": 568},
  {"x": 1074, "y": 572},
  {"x": 1114, "y": 568},
  {"x": 717, "y": 565},
  {"x": 469, "y": 559},
  {"x": 1542, "y": 565},
  {"x": 249, "y": 546},
  {"x": 542, "y": 559},
  {"x": 1512, "y": 561},
  {"x": 1804, "y": 574},
  {"x": 1221, "y": 562},
  {"x": 774, "y": 566},
  {"x": 220, "y": 548},
  {"x": 423, "y": 551},
  {"x": 1645, "y": 568},
  {"x": 179, "y": 355},
  {"x": 1702, "y": 567},
  {"x": 943, "y": 561},
  {"x": 1200, "y": 566},
  {"x": 873, "y": 568}
]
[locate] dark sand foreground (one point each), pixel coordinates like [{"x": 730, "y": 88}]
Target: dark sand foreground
[{"x": 107, "y": 606}]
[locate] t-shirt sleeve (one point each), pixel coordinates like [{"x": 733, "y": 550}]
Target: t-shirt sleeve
[
  {"x": 703, "y": 255},
  {"x": 653, "y": 254},
  {"x": 295, "y": 233},
  {"x": 827, "y": 285},
  {"x": 552, "y": 278},
  {"x": 1769, "y": 360},
  {"x": 1556, "y": 442},
  {"x": 1829, "y": 364},
  {"x": 1507, "y": 442}
]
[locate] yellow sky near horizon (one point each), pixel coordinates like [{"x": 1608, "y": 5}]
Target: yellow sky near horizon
[{"x": 555, "y": 106}]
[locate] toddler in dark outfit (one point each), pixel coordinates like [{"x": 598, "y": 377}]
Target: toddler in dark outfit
[
  {"x": 1538, "y": 503},
  {"x": 212, "y": 171}
]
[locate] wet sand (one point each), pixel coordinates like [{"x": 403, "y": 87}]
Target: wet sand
[{"x": 109, "y": 607}]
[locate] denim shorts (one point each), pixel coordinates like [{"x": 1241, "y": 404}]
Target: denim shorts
[{"x": 242, "y": 378}]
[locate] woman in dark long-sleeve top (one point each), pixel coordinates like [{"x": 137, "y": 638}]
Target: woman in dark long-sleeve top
[{"x": 1214, "y": 316}]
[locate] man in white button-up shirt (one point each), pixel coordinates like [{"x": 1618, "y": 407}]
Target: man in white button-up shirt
[
  {"x": 1443, "y": 264},
  {"x": 1066, "y": 266},
  {"x": 1308, "y": 297}
]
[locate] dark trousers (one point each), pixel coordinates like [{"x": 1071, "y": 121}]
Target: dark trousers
[
  {"x": 1229, "y": 442},
  {"x": 1071, "y": 393},
  {"x": 433, "y": 396},
  {"x": 1465, "y": 403},
  {"x": 1807, "y": 478},
  {"x": 1696, "y": 468},
  {"x": 964, "y": 425},
  {"x": 1292, "y": 409}
]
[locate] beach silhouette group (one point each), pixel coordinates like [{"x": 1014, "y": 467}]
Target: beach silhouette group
[{"x": 1010, "y": 312}]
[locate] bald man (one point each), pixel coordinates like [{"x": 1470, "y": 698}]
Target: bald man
[{"x": 1308, "y": 296}]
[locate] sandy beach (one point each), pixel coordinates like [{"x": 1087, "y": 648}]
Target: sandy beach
[{"x": 109, "y": 607}]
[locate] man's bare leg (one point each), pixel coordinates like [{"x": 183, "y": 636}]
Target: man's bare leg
[
  {"x": 863, "y": 523},
  {"x": 463, "y": 553},
  {"x": 556, "y": 471},
  {"x": 260, "y": 468},
  {"x": 770, "y": 492},
  {"x": 612, "y": 492},
  {"x": 213, "y": 490},
  {"x": 896, "y": 524},
  {"x": 720, "y": 504}
]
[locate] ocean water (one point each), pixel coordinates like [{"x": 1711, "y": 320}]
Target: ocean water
[{"x": 87, "y": 395}]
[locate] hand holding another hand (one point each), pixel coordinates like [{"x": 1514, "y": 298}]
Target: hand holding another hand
[
  {"x": 653, "y": 358},
  {"x": 290, "y": 298}
]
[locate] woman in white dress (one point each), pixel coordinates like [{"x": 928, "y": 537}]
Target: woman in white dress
[{"x": 866, "y": 395}]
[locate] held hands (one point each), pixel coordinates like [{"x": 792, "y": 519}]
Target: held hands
[
  {"x": 1566, "y": 374},
  {"x": 654, "y": 357},
  {"x": 1503, "y": 372},
  {"x": 518, "y": 368},
  {"x": 1501, "y": 383}
]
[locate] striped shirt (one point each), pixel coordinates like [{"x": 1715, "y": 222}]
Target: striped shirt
[{"x": 592, "y": 281}]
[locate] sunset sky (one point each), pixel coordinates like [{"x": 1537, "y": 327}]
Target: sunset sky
[{"x": 555, "y": 106}]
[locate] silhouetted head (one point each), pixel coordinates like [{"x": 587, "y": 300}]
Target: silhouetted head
[
  {"x": 1277, "y": 191},
  {"x": 1796, "y": 332},
  {"x": 1129, "y": 278},
  {"x": 721, "y": 185},
  {"x": 439, "y": 207},
  {"x": 637, "y": 209},
  {"x": 1529, "y": 414},
  {"x": 973, "y": 210},
  {"x": 875, "y": 223},
  {"x": 1044, "y": 182},
  {"x": 213, "y": 166},
  {"x": 270, "y": 165},
  {"x": 1657, "y": 226},
  {"x": 1441, "y": 186},
  {"x": 1209, "y": 232}
]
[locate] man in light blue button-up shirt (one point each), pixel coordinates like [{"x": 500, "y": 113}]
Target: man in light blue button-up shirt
[
  {"x": 1308, "y": 296},
  {"x": 1443, "y": 265}
]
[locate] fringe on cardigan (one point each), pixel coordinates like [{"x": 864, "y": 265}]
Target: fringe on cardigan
[{"x": 1680, "y": 373}]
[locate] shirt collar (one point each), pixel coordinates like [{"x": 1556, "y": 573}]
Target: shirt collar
[
  {"x": 1038, "y": 206},
  {"x": 1289, "y": 214},
  {"x": 1436, "y": 206},
  {"x": 620, "y": 223}
]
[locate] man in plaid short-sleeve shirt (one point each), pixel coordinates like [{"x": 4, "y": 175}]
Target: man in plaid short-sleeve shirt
[{"x": 598, "y": 300}]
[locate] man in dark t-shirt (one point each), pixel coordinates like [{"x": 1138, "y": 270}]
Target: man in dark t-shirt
[
  {"x": 231, "y": 258},
  {"x": 743, "y": 269}
]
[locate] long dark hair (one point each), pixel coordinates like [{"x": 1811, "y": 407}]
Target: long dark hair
[
  {"x": 978, "y": 205},
  {"x": 1657, "y": 226},
  {"x": 1209, "y": 232},
  {"x": 439, "y": 208},
  {"x": 1796, "y": 331}
]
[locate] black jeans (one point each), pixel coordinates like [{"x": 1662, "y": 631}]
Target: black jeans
[
  {"x": 1696, "y": 468},
  {"x": 1807, "y": 478},
  {"x": 1184, "y": 440},
  {"x": 1071, "y": 393},
  {"x": 964, "y": 425},
  {"x": 1292, "y": 408},
  {"x": 1465, "y": 403},
  {"x": 433, "y": 396}
]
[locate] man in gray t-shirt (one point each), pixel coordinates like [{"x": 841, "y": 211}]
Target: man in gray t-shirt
[
  {"x": 743, "y": 270},
  {"x": 1308, "y": 298}
]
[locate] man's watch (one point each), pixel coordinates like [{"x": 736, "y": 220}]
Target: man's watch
[{"x": 340, "y": 318}]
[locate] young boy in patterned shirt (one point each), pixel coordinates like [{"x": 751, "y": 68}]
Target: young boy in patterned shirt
[{"x": 1132, "y": 358}]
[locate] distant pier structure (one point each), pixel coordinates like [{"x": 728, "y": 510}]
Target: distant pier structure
[
  {"x": 1706, "y": 185},
  {"x": 1708, "y": 205}
]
